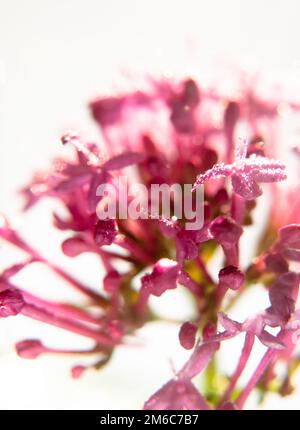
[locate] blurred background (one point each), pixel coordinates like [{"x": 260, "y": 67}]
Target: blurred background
[{"x": 55, "y": 55}]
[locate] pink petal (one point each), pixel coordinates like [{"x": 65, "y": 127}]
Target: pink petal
[
  {"x": 290, "y": 236},
  {"x": 217, "y": 171},
  {"x": 283, "y": 294},
  {"x": 291, "y": 254},
  {"x": 270, "y": 341},
  {"x": 123, "y": 160},
  {"x": 93, "y": 199},
  {"x": 276, "y": 263},
  {"x": 229, "y": 324},
  {"x": 186, "y": 248},
  {"x": 264, "y": 169},
  {"x": 245, "y": 186}
]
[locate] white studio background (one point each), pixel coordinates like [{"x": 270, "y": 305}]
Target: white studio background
[{"x": 55, "y": 55}]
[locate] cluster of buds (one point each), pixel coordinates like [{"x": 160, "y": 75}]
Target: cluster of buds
[{"x": 173, "y": 132}]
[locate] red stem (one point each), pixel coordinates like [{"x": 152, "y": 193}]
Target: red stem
[
  {"x": 246, "y": 351},
  {"x": 40, "y": 314},
  {"x": 265, "y": 361}
]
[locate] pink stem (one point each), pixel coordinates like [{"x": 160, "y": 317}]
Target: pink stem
[
  {"x": 135, "y": 250},
  {"x": 39, "y": 314},
  {"x": 81, "y": 352},
  {"x": 57, "y": 309},
  {"x": 20, "y": 243},
  {"x": 232, "y": 255},
  {"x": 203, "y": 269},
  {"x": 249, "y": 341},
  {"x": 237, "y": 208},
  {"x": 265, "y": 361}
]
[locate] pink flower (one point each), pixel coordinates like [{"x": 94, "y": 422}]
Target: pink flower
[
  {"x": 246, "y": 172},
  {"x": 169, "y": 132}
]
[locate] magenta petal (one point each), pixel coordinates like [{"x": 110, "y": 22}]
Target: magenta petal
[
  {"x": 290, "y": 236},
  {"x": 275, "y": 262},
  {"x": 11, "y": 303},
  {"x": 187, "y": 335},
  {"x": 291, "y": 254},
  {"x": 270, "y": 341},
  {"x": 283, "y": 294},
  {"x": 245, "y": 186},
  {"x": 217, "y": 171},
  {"x": 229, "y": 324},
  {"x": 96, "y": 180},
  {"x": 123, "y": 160},
  {"x": 289, "y": 242},
  {"x": 186, "y": 248},
  {"x": 177, "y": 395}
]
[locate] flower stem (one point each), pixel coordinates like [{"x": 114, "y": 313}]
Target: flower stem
[
  {"x": 246, "y": 351},
  {"x": 40, "y": 314},
  {"x": 265, "y": 361}
]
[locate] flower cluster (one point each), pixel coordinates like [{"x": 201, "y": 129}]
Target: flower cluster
[{"x": 172, "y": 132}]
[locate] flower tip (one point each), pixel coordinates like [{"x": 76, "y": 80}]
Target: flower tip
[
  {"x": 105, "y": 232},
  {"x": 11, "y": 303},
  {"x": 187, "y": 335},
  {"x": 77, "y": 371},
  {"x": 30, "y": 348},
  {"x": 69, "y": 136},
  {"x": 231, "y": 277}
]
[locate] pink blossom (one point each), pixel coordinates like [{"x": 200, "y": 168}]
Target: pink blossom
[
  {"x": 170, "y": 131},
  {"x": 246, "y": 172}
]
